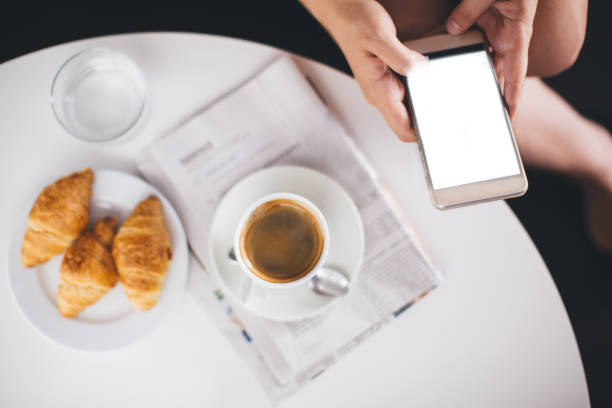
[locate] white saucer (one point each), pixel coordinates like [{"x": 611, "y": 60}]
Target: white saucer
[
  {"x": 346, "y": 238},
  {"x": 112, "y": 321}
]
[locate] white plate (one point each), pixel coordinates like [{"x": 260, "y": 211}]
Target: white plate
[
  {"x": 112, "y": 321},
  {"x": 345, "y": 228}
]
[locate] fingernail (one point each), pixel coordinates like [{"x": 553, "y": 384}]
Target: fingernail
[{"x": 453, "y": 27}]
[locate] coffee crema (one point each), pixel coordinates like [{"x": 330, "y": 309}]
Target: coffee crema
[{"x": 281, "y": 241}]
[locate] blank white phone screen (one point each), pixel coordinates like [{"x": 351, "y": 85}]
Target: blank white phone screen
[{"x": 460, "y": 117}]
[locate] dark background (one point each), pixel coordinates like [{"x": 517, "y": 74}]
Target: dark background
[{"x": 552, "y": 211}]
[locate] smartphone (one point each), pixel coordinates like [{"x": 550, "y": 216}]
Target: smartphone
[{"x": 465, "y": 137}]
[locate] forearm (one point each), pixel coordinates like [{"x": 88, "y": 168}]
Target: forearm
[
  {"x": 323, "y": 11},
  {"x": 558, "y": 34},
  {"x": 320, "y": 9}
]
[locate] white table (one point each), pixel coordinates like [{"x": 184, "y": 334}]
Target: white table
[{"x": 494, "y": 334}]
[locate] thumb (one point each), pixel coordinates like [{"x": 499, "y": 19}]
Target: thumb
[
  {"x": 396, "y": 55},
  {"x": 465, "y": 15}
]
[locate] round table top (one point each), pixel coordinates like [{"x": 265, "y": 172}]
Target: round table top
[{"x": 495, "y": 333}]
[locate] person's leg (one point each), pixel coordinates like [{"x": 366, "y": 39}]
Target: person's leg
[
  {"x": 553, "y": 135},
  {"x": 559, "y": 28}
]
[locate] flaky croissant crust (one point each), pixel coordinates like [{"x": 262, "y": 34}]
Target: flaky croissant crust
[
  {"x": 87, "y": 271},
  {"x": 58, "y": 216},
  {"x": 142, "y": 253}
]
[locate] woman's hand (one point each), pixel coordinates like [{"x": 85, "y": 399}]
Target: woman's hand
[
  {"x": 367, "y": 36},
  {"x": 508, "y": 25}
]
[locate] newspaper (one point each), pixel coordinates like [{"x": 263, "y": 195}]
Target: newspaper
[{"x": 277, "y": 117}]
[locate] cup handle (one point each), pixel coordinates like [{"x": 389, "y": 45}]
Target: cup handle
[
  {"x": 249, "y": 292},
  {"x": 246, "y": 289},
  {"x": 252, "y": 293}
]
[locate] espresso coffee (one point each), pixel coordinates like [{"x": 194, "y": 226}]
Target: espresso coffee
[{"x": 281, "y": 241}]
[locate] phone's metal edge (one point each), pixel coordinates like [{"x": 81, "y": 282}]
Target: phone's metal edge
[
  {"x": 477, "y": 37},
  {"x": 409, "y": 105},
  {"x": 517, "y": 153},
  {"x": 445, "y": 41},
  {"x": 483, "y": 200}
]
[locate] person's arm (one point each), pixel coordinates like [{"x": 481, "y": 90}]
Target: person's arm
[{"x": 366, "y": 35}]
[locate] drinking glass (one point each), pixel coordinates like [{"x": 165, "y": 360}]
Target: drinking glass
[{"x": 98, "y": 94}]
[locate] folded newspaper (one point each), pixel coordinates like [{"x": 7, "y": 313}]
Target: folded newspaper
[{"x": 275, "y": 118}]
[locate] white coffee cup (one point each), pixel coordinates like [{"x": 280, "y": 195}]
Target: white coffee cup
[{"x": 242, "y": 259}]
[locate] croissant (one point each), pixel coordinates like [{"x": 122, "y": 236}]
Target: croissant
[
  {"x": 57, "y": 218},
  {"x": 87, "y": 271},
  {"x": 142, "y": 253}
]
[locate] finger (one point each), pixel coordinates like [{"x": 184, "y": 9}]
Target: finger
[
  {"x": 465, "y": 15},
  {"x": 388, "y": 97},
  {"x": 498, "y": 64},
  {"x": 490, "y": 21},
  {"x": 396, "y": 55},
  {"x": 512, "y": 93},
  {"x": 515, "y": 70}
]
